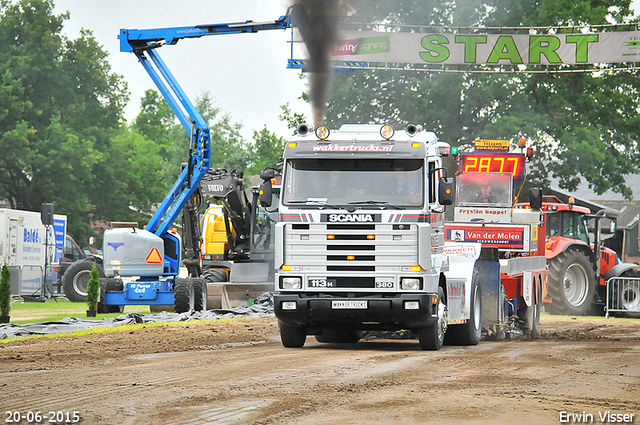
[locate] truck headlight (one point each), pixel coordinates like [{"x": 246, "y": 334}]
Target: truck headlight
[
  {"x": 291, "y": 283},
  {"x": 410, "y": 284}
]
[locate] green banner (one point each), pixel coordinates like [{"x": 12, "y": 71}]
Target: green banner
[{"x": 489, "y": 49}]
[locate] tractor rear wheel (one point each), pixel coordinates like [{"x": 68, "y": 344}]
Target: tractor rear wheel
[
  {"x": 628, "y": 293},
  {"x": 572, "y": 283},
  {"x": 76, "y": 277}
]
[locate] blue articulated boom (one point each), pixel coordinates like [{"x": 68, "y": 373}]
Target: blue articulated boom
[{"x": 156, "y": 249}]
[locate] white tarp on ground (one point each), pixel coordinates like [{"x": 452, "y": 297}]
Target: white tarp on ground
[{"x": 262, "y": 307}]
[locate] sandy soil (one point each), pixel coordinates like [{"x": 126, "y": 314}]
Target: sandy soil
[{"x": 238, "y": 372}]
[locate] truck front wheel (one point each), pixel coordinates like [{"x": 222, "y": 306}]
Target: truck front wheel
[
  {"x": 292, "y": 336},
  {"x": 432, "y": 337},
  {"x": 76, "y": 277}
]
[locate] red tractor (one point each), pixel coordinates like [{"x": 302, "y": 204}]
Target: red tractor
[{"x": 578, "y": 267}]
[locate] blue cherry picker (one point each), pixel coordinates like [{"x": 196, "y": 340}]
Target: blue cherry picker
[{"x": 151, "y": 255}]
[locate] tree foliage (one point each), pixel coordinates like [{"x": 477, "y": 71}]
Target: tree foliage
[
  {"x": 5, "y": 291},
  {"x": 61, "y": 107},
  {"x": 581, "y": 124},
  {"x": 93, "y": 288}
]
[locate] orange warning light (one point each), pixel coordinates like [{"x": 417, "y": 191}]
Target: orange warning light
[{"x": 154, "y": 257}]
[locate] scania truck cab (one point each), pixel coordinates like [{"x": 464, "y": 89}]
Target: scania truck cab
[{"x": 359, "y": 240}]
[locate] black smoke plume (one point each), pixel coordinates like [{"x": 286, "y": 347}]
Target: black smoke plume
[{"x": 317, "y": 22}]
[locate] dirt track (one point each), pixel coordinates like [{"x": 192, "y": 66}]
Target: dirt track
[{"x": 238, "y": 372}]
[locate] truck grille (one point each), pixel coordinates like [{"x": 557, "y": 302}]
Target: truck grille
[{"x": 323, "y": 247}]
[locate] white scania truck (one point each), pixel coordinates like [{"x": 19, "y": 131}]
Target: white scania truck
[{"x": 360, "y": 241}]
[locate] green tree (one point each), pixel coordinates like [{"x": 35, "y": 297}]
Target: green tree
[
  {"x": 61, "y": 106},
  {"x": 580, "y": 124},
  {"x": 93, "y": 288},
  {"x": 268, "y": 150},
  {"x": 293, "y": 119},
  {"x": 5, "y": 291},
  {"x": 228, "y": 148},
  {"x": 155, "y": 120}
]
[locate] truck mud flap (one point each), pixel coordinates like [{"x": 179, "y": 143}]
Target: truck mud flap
[{"x": 488, "y": 268}]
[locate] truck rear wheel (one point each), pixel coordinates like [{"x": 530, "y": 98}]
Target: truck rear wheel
[
  {"x": 183, "y": 295},
  {"x": 572, "y": 283},
  {"x": 292, "y": 336},
  {"x": 76, "y": 277},
  {"x": 530, "y": 316},
  {"x": 432, "y": 337}
]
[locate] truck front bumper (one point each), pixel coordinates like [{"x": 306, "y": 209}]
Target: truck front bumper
[{"x": 378, "y": 312}]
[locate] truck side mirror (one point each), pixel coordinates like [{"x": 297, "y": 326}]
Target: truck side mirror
[
  {"x": 265, "y": 193},
  {"x": 446, "y": 190},
  {"x": 267, "y": 173},
  {"x": 535, "y": 198}
]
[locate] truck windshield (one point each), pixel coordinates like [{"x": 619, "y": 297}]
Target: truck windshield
[{"x": 342, "y": 182}]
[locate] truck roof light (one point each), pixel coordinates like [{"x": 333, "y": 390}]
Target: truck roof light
[
  {"x": 522, "y": 142},
  {"x": 529, "y": 153},
  {"x": 387, "y": 132},
  {"x": 322, "y": 132}
]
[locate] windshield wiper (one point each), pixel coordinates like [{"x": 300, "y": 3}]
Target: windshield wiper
[
  {"x": 377, "y": 203},
  {"x": 315, "y": 202}
]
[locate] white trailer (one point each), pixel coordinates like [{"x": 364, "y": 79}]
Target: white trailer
[{"x": 24, "y": 243}]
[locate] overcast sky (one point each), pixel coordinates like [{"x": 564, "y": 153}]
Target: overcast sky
[{"x": 245, "y": 73}]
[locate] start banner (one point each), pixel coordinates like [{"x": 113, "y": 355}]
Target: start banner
[{"x": 488, "y": 49}]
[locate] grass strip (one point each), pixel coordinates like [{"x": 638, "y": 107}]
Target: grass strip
[{"x": 117, "y": 328}]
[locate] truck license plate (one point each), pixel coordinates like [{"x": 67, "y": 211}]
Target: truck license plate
[{"x": 349, "y": 305}]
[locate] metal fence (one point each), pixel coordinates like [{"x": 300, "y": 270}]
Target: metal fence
[{"x": 623, "y": 295}]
